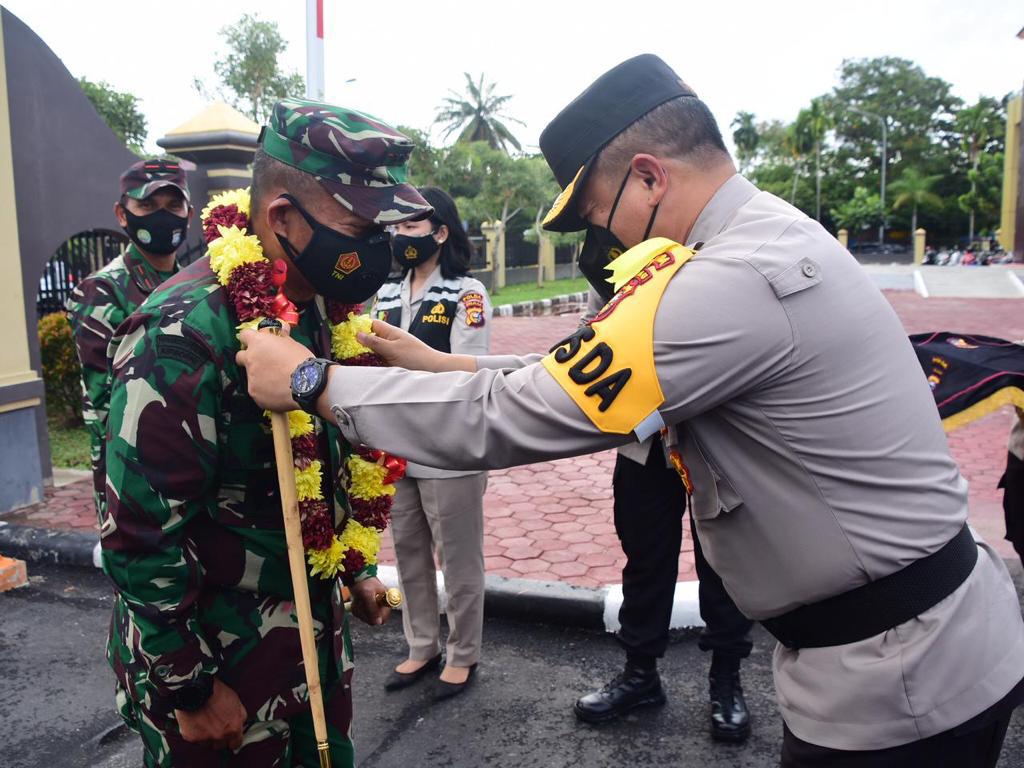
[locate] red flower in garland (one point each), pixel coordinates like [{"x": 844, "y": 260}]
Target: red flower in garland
[
  {"x": 353, "y": 561},
  {"x": 338, "y": 312},
  {"x": 304, "y": 450},
  {"x": 317, "y": 526},
  {"x": 373, "y": 513},
  {"x": 249, "y": 288},
  {"x": 223, "y": 216}
]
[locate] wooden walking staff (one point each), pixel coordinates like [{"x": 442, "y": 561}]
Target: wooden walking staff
[{"x": 297, "y": 564}]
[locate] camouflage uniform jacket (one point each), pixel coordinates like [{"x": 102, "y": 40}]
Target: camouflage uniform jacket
[
  {"x": 193, "y": 537},
  {"x": 96, "y": 307}
]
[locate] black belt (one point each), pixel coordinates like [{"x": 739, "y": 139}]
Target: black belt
[{"x": 879, "y": 605}]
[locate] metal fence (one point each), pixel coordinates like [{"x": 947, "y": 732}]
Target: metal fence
[{"x": 77, "y": 258}]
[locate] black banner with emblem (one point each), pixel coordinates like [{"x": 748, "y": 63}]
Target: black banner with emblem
[{"x": 970, "y": 376}]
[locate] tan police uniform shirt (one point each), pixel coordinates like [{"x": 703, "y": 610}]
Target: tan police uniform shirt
[
  {"x": 816, "y": 450},
  {"x": 465, "y": 339}
]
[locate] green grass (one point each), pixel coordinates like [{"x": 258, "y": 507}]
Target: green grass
[
  {"x": 69, "y": 446},
  {"x": 513, "y": 294}
]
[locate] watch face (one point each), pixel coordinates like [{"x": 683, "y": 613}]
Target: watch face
[{"x": 306, "y": 378}]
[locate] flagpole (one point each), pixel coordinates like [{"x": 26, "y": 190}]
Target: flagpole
[{"x": 315, "y": 50}]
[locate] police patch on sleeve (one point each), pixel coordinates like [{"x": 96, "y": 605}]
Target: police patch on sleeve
[
  {"x": 607, "y": 366},
  {"x": 473, "y": 303}
]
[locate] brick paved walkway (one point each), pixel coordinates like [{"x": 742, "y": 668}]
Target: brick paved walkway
[{"x": 553, "y": 521}]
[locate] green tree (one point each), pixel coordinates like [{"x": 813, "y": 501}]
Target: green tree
[
  {"x": 478, "y": 115},
  {"x": 918, "y": 110},
  {"x": 746, "y": 138},
  {"x": 981, "y": 128},
  {"x": 120, "y": 110},
  {"x": 916, "y": 190},
  {"x": 250, "y": 70},
  {"x": 861, "y": 211}
]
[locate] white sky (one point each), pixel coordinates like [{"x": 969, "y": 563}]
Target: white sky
[{"x": 769, "y": 58}]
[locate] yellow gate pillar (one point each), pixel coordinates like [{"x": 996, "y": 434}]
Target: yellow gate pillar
[
  {"x": 21, "y": 389},
  {"x": 919, "y": 240},
  {"x": 844, "y": 238},
  {"x": 494, "y": 231},
  {"x": 545, "y": 258}
]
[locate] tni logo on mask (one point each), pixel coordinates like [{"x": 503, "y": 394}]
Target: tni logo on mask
[{"x": 346, "y": 265}]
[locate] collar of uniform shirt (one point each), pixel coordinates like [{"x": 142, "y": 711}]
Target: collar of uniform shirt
[
  {"x": 720, "y": 209},
  {"x": 406, "y": 291}
]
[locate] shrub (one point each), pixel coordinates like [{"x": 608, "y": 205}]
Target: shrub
[{"x": 61, "y": 369}]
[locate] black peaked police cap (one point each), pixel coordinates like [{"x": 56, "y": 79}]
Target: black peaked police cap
[{"x": 612, "y": 103}]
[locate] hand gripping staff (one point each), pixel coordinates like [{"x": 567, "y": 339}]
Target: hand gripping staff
[{"x": 297, "y": 565}]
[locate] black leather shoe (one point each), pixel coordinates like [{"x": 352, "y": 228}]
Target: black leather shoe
[
  {"x": 628, "y": 690},
  {"x": 446, "y": 690},
  {"x": 398, "y": 680},
  {"x": 730, "y": 719}
]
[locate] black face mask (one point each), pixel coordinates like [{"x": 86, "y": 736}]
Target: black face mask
[
  {"x": 341, "y": 268},
  {"x": 410, "y": 250},
  {"x": 159, "y": 232},
  {"x": 601, "y": 247}
]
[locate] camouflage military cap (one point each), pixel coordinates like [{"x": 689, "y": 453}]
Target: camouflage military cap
[
  {"x": 145, "y": 177},
  {"x": 359, "y": 159}
]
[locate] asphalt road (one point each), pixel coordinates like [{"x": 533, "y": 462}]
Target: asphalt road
[{"x": 56, "y": 709}]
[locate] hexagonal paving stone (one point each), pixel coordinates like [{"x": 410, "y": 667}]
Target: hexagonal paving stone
[
  {"x": 530, "y": 566},
  {"x": 569, "y": 569}
]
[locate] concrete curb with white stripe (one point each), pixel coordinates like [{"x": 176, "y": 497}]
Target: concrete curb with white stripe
[
  {"x": 553, "y": 602},
  {"x": 550, "y": 602}
]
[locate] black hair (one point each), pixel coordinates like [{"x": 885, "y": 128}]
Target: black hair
[
  {"x": 456, "y": 251},
  {"x": 682, "y": 128},
  {"x": 268, "y": 172}
]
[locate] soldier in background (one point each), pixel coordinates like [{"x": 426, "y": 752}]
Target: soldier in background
[
  {"x": 154, "y": 209},
  {"x": 204, "y": 639}
]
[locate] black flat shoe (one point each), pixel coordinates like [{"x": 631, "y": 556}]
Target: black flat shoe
[
  {"x": 446, "y": 690},
  {"x": 398, "y": 680}
]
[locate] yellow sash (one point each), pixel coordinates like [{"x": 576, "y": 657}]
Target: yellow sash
[{"x": 607, "y": 367}]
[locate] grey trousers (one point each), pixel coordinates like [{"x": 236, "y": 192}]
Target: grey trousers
[{"x": 444, "y": 516}]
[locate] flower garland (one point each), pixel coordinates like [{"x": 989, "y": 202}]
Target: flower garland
[{"x": 253, "y": 286}]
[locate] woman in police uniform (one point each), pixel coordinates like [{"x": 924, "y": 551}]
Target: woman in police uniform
[{"x": 436, "y": 300}]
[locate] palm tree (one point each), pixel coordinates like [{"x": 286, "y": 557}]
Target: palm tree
[
  {"x": 798, "y": 141},
  {"x": 745, "y": 137},
  {"x": 817, "y": 122},
  {"x": 978, "y": 125},
  {"x": 478, "y": 116},
  {"x": 915, "y": 189}
]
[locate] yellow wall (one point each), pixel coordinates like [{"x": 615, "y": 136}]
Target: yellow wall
[
  {"x": 1011, "y": 194},
  {"x": 14, "y": 352}
]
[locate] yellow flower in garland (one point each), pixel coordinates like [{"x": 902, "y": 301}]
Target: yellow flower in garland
[
  {"x": 308, "y": 482},
  {"x": 327, "y": 562},
  {"x": 343, "y": 336},
  {"x": 366, "y": 479},
  {"x": 236, "y": 197},
  {"x": 363, "y": 539},
  {"x": 299, "y": 423},
  {"x": 231, "y": 250}
]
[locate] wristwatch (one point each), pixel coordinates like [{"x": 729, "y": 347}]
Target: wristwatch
[
  {"x": 308, "y": 382},
  {"x": 194, "y": 694}
]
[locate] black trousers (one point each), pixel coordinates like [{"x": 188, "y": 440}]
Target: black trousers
[{"x": 649, "y": 504}]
